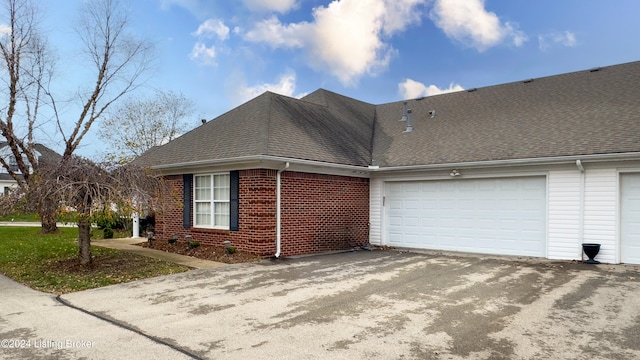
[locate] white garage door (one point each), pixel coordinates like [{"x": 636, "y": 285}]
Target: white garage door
[
  {"x": 504, "y": 216},
  {"x": 630, "y": 218}
]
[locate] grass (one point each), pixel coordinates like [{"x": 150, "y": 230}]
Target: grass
[
  {"x": 49, "y": 262},
  {"x": 20, "y": 217}
]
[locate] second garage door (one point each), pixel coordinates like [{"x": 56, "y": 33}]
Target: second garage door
[
  {"x": 505, "y": 216},
  {"x": 630, "y": 218}
]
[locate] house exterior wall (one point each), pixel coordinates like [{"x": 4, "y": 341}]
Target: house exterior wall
[
  {"x": 323, "y": 212},
  {"x": 564, "y": 215},
  {"x": 257, "y": 229},
  {"x": 319, "y": 213},
  {"x": 582, "y": 207},
  {"x": 7, "y": 185},
  {"x": 601, "y": 212},
  {"x": 375, "y": 211}
]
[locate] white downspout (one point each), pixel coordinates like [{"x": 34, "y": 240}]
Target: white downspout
[
  {"x": 581, "y": 215},
  {"x": 278, "y": 216}
]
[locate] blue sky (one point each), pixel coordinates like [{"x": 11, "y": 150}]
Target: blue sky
[{"x": 223, "y": 53}]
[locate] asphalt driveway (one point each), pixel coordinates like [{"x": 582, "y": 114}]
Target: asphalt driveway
[{"x": 380, "y": 305}]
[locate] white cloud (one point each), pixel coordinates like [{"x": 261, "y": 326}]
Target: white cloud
[
  {"x": 565, "y": 38},
  {"x": 274, "y": 33},
  {"x": 212, "y": 28},
  {"x": 411, "y": 89},
  {"x": 468, "y": 22},
  {"x": 5, "y": 30},
  {"x": 195, "y": 7},
  {"x": 281, "y": 6},
  {"x": 346, "y": 38},
  {"x": 400, "y": 14},
  {"x": 203, "y": 54},
  {"x": 285, "y": 85}
]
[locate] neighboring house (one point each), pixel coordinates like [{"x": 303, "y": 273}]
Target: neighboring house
[
  {"x": 530, "y": 168},
  {"x": 7, "y": 182}
]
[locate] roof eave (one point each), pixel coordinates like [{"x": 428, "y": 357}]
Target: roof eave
[
  {"x": 558, "y": 160},
  {"x": 276, "y": 162},
  {"x": 264, "y": 162}
]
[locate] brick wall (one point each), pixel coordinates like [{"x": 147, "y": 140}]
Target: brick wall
[
  {"x": 323, "y": 213},
  {"x": 319, "y": 213}
]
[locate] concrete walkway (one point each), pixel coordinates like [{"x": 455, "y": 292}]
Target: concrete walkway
[
  {"x": 36, "y": 325},
  {"x": 127, "y": 244}
]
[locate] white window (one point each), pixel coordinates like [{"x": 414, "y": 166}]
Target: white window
[
  {"x": 211, "y": 201},
  {"x": 13, "y": 163}
]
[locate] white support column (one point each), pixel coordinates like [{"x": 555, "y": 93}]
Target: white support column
[{"x": 136, "y": 225}]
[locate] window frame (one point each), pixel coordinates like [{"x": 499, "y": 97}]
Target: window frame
[{"x": 212, "y": 201}]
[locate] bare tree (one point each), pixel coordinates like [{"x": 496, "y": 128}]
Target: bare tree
[
  {"x": 117, "y": 62},
  {"x": 139, "y": 124},
  {"x": 21, "y": 49},
  {"x": 91, "y": 188}
]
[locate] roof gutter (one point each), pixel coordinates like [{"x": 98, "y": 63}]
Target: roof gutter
[
  {"x": 374, "y": 168},
  {"x": 278, "y": 206},
  {"x": 259, "y": 158},
  {"x": 515, "y": 162}
]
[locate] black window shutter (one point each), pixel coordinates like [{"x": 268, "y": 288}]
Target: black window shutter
[
  {"x": 187, "y": 183},
  {"x": 234, "y": 188}
]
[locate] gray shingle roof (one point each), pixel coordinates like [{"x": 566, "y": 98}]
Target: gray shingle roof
[
  {"x": 46, "y": 153},
  {"x": 580, "y": 113},
  {"x": 323, "y": 126}
]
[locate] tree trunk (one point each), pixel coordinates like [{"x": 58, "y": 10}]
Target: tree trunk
[
  {"x": 84, "y": 240},
  {"x": 47, "y": 206},
  {"x": 48, "y": 222}
]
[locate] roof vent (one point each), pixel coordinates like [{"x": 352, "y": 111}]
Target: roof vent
[
  {"x": 472, "y": 89},
  {"x": 595, "y": 69},
  {"x": 528, "y": 81},
  {"x": 409, "y": 126},
  {"x": 404, "y": 112}
]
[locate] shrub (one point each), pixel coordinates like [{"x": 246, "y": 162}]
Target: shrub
[
  {"x": 109, "y": 219},
  {"x": 108, "y": 233},
  {"x": 231, "y": 250},
  {"x": 193, "y": 244},
  {"x": 173, "y": 240},
  {"x": 148, "y": 223}
]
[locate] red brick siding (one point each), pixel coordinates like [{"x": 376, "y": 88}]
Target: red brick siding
[
  {"x": 323, "y": 213},
  {"x": 319, "y": 213}
]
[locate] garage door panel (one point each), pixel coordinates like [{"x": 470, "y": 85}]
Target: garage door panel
[
  {"x": 500, "y": 216},
  {"x": 508, "y": 204},
  {"x": 485, "y": 186},
  {"x": 412, "y": 188},
  {"x": 630, "y": 218},
  {"x": 396, "y": 204},
  {"x": 412, "y": 205},
  {"x": 396, "y": 221},
  {"x": 412, "y": 221}
]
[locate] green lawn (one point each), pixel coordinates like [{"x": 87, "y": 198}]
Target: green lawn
[
  {"x": 49, "y": 262},
  {"x": 21, "y": 217}
]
